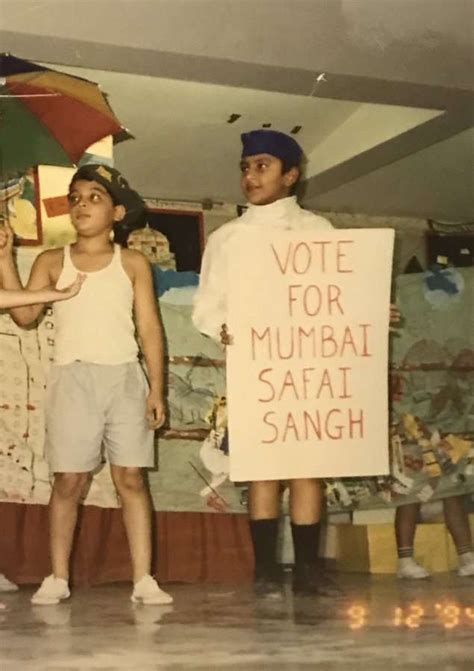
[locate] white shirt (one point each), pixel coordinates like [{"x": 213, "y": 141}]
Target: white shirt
[
  {"x": 210, "y": 302},
  {"x": 96, "y": 325}
]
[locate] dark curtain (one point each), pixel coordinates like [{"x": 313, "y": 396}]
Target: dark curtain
[{"x": 188, "y": 547}]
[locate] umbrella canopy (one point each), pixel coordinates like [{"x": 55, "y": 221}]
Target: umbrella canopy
[{"x": 49, "y": 117}]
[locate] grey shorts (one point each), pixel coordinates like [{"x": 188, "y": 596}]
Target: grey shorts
[{"x": 94, "y": 410}]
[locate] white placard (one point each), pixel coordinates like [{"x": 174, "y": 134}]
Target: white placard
[{"x": 307, "y": 374}]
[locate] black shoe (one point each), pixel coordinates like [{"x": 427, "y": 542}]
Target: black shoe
[
  {"x": 312, "y": 580},
  {"x": 327, "y": 586},
  {"x": 268, "y": 584},
  {"x": 305, "y": 580}
]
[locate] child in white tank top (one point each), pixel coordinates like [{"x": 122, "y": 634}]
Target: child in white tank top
[{"x": 97, "y": 394}]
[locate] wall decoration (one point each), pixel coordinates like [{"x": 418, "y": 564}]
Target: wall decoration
[
  {"x": 431, "y": 374},
  {"x": 19, "y": 199},
  {"x": 179, "y": 242}
]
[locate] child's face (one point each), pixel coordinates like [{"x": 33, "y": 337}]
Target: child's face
[
  {"x": 263, "y": 181},
  {"x": 92, "y": 209}
]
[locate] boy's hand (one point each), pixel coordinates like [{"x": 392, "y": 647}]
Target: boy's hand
[
  {"x": 395, "y": 314},
  {"x": 155, "y": 410},
  {"x": 6, "y": 240},
  {"x": 74, "y": 288},
  {"x": 226, "y": 338}
]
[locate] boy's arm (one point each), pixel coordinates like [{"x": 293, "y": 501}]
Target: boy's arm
[
  {"x": 150, "y": 332},
  {"x": 210, "y": 301}
]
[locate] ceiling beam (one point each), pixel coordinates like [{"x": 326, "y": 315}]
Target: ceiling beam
[{"x": 426, "y": 134}]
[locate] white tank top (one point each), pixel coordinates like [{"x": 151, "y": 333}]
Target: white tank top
[{"x": 96, "y": 325}]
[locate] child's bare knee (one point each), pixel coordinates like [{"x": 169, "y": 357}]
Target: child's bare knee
[
  {"x": 70, "y": 485},
  {"x": 128, "y": 480}
]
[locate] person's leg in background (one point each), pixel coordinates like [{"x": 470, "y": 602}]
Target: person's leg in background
[
  {"x": 264, "y": 511},
  {"x": 457, "y": 521},
  {"x": 406, "y": 519}
]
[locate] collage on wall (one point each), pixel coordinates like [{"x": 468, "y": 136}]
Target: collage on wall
[{"x": 432, "y": 382}]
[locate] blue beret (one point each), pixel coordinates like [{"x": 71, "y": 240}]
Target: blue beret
[{"x": 272, "y": 142}]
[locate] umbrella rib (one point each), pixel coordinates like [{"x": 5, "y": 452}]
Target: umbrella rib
[{"x": 31, "y": 95}]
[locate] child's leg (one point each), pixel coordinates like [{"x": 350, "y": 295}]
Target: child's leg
[
  {"x": 306, "y": 498},
  {"x": 136, "y": 509},
  {"x": 305, "y": 511},
  {"x": 405, "y": 526},
  {"x": 457, "y": 521},
  {"x": 74, "y": 426},
  {"x": 264, "y": 509},
  {"x": 63, "y": 507}
]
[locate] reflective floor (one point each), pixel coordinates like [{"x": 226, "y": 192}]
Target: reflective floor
[{"x": 376, "y": 624}]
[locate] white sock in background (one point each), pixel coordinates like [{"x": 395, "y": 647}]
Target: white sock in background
[{"x": 7, "y": 585}]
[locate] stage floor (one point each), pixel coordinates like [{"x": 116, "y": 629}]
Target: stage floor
[{"x": 376, "y": 624}]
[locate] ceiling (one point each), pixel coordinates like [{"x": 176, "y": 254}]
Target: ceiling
[{"x": 382, "y": 92}]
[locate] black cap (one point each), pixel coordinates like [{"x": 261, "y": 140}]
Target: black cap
[{"x": 117, "y": 187}]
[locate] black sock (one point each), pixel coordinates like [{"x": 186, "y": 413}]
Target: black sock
[
  {"x": 305, "y": 543},
  {"x": 264, "y": 539}
]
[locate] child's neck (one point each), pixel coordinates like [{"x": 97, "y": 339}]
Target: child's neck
[
  {"x": 96, "y": 245},
  {"x": 272, "y": 202}
]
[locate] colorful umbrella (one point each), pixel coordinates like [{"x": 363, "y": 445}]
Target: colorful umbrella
[{"x": 49, "y": 117}]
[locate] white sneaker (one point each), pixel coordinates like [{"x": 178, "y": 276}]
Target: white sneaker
[
  {"x": 467, "y": 567},
  {"x": 52, "y": 591},
  {"x": 7, "y": 585},
  {"x": 148, "y": 591},
  {"x": 409, "y": 569}
]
